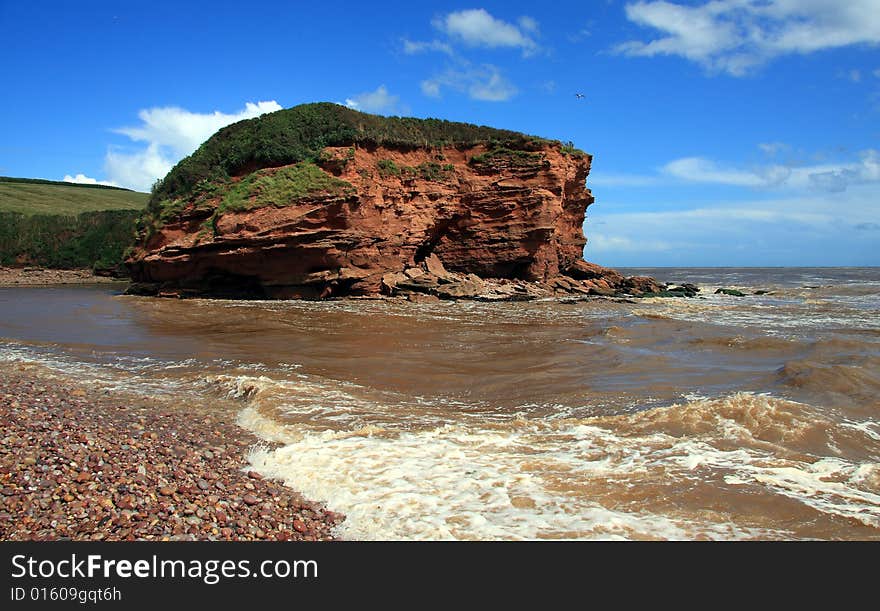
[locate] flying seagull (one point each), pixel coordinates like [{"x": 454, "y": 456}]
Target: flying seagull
[{"x": 579, "y": 95}]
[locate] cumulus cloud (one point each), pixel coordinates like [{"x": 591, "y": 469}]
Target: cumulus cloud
[
  {"x": 82, "y": 179},
  {"x": 138, "y": 170},
  {"x": 183, "y": 131},
  {"x": 477, "y": 28},
  {"x": 485, "y": 83},
  {"x": 170, "y": 133},
  {"x": 734, "y": 36},
  {"x": 378, "y": 101}
]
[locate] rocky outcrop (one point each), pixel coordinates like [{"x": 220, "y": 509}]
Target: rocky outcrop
[{"x": 475, "y": 221}]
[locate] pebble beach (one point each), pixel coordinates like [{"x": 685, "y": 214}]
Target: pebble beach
[
  {"x": 38, "y": 276},
  {"x": 82, "y": 464}
]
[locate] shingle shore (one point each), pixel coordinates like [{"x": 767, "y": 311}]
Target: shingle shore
[{"x": 77, "y": 463}]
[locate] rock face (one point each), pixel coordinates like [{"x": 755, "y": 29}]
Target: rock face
[{"x": 362, "y": 218}]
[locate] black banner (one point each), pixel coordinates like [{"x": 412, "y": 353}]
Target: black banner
[{"x": 112, "y": 575}]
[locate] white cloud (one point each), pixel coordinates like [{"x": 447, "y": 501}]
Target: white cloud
[
  {"x": 601, "y": 243},
  {"x": 581, "y": 34},
  {"x": 138, "y": 170},
  {"x": 374, "y": 101},
  {"x": 798, "y": 230},
  {"x": 82, "y": 179},
  {"x": 734, "y": 36},
  {"x": 603, "y": 179},
  {"x": 485, "y": 83},
  {"x": 477, "y": 28},
  {"x": 833, "y": 177},
  {"x": 183, "y": 131},
  {"x": 411, "y": 47},
  {"x": 170, "y": 134},
  {"x": 697, "y": 169},
  {"x": 528, "y": 24},
  {"x": 431, "y": 88},
  {"x": 773, "y": 148}
]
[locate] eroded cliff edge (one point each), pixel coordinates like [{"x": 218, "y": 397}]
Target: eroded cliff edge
[{"x": 321, "y": 201}]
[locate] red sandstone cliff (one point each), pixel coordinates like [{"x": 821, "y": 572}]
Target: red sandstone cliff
[
  {"x": 514, "y": 216},
  {"x": 368, "y": 219}
]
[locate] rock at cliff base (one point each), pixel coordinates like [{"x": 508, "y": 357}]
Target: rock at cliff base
[{"x": 731, "y": 292}]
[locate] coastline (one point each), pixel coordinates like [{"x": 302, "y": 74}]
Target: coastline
[
  {"x": 79, "y": 464},
  {"x": 39, "y": 276}
]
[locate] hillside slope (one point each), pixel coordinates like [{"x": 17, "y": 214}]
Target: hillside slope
[
  {"x": 32, "y": 196},
  {"x": 64, "y": 225}
]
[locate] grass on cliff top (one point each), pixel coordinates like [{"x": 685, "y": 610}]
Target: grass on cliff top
[
  {"x": 281, "y": 187},
  {"x": 33, "y": 196},
  {"x": 302, "y": 132}
]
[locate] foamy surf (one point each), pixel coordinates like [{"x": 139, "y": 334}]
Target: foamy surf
[
  {"x": 452, "y": 484},
  {"x": 570, "y": 479}
]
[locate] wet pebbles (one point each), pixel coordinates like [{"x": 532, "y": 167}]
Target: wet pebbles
[{"x": 79, "y": 464}]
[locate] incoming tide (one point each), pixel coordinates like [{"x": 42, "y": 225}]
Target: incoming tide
[{"x": 718, "y": 417}]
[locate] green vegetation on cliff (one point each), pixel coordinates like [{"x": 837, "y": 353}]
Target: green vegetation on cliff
[
  {"x": 65, "y": 225},
  {"x": 302, "y": 132},
  {"x": 280, "y": 187},
  {"x": 235, "y": 169}
]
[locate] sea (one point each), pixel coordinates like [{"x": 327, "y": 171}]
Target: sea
[{"x": 712, "y": 418}]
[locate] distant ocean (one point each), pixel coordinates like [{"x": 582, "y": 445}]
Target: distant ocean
[{"x": 717, "y": 417}]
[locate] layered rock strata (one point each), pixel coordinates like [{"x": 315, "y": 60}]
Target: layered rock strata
[{"x": 365, "y": 219}]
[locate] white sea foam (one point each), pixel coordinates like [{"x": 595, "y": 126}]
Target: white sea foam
[
  {"x": 453, "y": 483},
  {"x": 548, "y": 478}
]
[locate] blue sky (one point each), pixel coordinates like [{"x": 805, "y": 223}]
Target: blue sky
[{"x": 731, "y": 132}]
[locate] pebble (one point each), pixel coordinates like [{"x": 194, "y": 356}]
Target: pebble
[{"x": 90, "y": 479}]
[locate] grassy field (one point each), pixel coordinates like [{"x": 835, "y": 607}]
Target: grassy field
[
  {"x": 27, "y": 196},
  {"x": 65, "y": 225}
]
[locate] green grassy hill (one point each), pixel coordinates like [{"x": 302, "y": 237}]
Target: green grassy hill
[
  {"x": 66, "y": 225},
  {"x": 32, "y": 196}
]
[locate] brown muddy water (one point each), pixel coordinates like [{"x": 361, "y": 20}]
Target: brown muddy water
[{"x": 719, "y": 418}]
